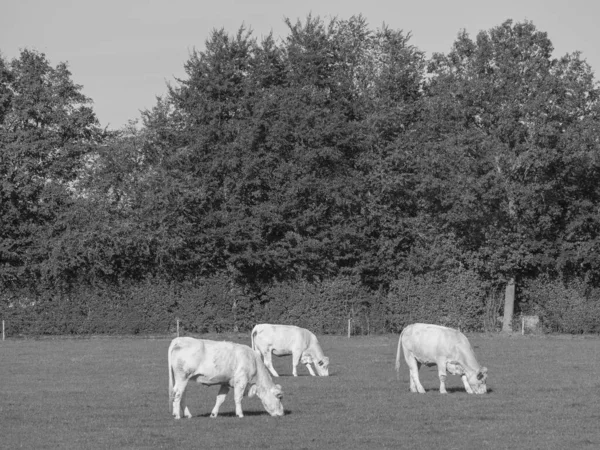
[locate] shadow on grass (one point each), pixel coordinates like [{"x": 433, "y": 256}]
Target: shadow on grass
[
  {"x": 452, "y": 390},
  {"x": 286, "y": 412},
  {"x": 307, "y": 375}
]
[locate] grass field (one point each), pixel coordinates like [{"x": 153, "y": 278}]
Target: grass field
[{"x": 112, "y": 393}]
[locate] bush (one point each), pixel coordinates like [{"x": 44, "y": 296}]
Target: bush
[
  {"x": 565, "y": 307},
  {"x": 323, "y": 307},
  {"x": 217, "y": 304},
  {"x": 456, "y": 300},
  {"x": 211, "y": 305}
]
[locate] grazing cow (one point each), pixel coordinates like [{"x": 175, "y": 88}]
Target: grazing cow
[
  {"x": 282, "y": 340},
  {"x": 447, "y": 348},
  {"x": 224, "y": 363}
]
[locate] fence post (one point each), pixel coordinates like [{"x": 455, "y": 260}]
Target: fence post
[
  {"x": 3, "y": 336},
  {"x": 349, "y": 327},
  {"x": 178, "y": 327}
]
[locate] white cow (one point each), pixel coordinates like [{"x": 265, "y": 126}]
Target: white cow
[
  {"x": 225, "y": 363},
  {"x": 282, "y": 340},
  {"x": 447, "y": 348}
]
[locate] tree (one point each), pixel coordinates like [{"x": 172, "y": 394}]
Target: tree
[
  {"x": 275, "y": 143},
  {"x": 46, "y": 129},
  {"x": 499, "y": 110}
]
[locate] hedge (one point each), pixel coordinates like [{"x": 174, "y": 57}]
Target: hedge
[{"x": 460, "y": 300}]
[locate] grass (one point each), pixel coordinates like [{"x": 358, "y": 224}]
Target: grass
[{"x": 112, "y": 393}]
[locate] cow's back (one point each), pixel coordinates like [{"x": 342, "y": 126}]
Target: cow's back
[
  {"x": 282, "y": 337},
  {"x": 213, "y": 361},
  {"x": 427, "y": 342}
]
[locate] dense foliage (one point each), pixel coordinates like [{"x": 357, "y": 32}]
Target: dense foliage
[{"x": 335, "y": 174}]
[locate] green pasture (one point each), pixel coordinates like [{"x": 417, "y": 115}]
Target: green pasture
[{"x": 112, "y": 393}]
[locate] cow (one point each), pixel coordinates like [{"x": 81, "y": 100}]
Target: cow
[
  {"x": 224, "y": 363},
  {"x": 282, "y": 340},
  {"x": 447, "y": 348}
]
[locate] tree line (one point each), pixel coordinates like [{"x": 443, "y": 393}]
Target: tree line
[{"x": 338, "y": 154}]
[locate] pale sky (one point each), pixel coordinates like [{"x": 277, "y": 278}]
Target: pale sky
[{"x": 124, "y": 52}]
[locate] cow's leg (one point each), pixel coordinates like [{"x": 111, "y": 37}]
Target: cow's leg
[
  {"x": 414, "y": 366},
  {"x": 220, "y": 399},
  {"x": 307, "y": 360},
  {"x": 466, "y": 383},
  {"x": 179, "y": 405},
  {"x": 268, "y": 358},
  {"x": 186, "y": 411},
  {"x": 456, "y": 368},
  {"x": 310, "y": 369},
  {"x": 442, "y": 375},
  {"x": 295, "y": 362},
  {"x": 238, "y": 394}
]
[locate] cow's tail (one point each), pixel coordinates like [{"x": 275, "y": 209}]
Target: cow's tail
[
  {"x": 398, "y": 355},
  {"x": 171, "y": 375},
  {"x": 254, "y": 332}
]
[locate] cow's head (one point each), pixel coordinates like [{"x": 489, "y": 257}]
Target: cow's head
[
  {"x": 476, "y": 379},
  {"x": 322, "y": 366},
  {"x": 270, "y": 398}
]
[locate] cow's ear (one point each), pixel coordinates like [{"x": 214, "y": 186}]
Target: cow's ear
[
  {"x": 482, "y": 373},
  {"x": 252, "y": 391}
]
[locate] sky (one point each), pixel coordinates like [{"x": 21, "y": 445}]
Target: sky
[{"x": 124, "y": 52}]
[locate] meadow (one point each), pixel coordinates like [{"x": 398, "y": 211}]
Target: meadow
[{"x": 111, "y": 392}]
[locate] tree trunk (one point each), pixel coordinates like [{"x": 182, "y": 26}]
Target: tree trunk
[{"x": 509, "y": 306}]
